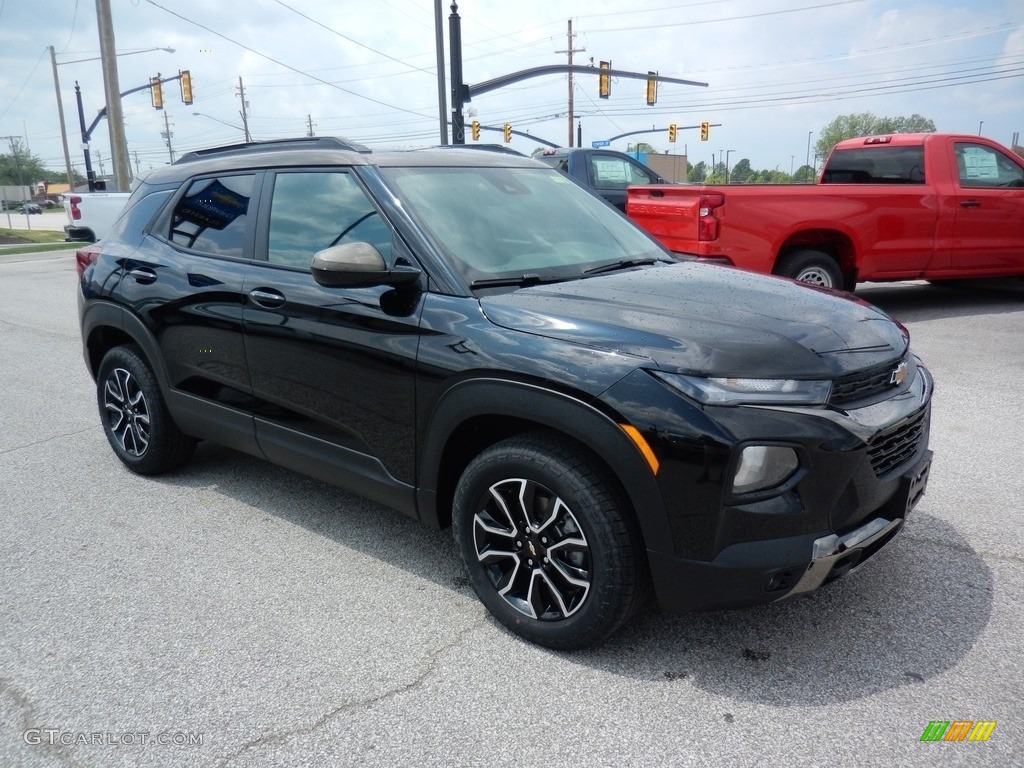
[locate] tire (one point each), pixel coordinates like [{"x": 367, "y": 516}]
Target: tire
[
  {"x": 811, "y": 267},
  {"x": 573, "y": 575},
  {"x": 135, "y": 417}
]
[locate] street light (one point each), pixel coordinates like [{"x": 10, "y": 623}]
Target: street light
[
  {"x": 225, "y": 122},
  {"x": 809, "y": 148},
  {"x": 60, "y": 103}
]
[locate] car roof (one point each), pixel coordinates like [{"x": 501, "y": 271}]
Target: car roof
[{"x": 323, "y": 151}]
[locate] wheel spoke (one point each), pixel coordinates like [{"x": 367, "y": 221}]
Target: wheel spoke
[
  {"x": 127, "y": 412},
  {"x": 532, "y": 549}
]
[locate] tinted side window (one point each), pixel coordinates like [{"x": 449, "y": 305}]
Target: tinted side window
[
  {"x": 616, "y": 173},
  {"x": 137, "y": 216},
  {"x": 311, "y": 211},
  {"x": 212, "y": 216},
  {"x": 981, "y": 166}
]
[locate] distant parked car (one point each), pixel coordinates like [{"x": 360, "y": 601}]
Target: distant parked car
[{"x": 31, "y": 208}]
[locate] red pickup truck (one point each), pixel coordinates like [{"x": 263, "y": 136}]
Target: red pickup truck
[{"x": 899, "y": 207}]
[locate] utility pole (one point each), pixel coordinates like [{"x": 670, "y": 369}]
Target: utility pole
[
  {"x": 137, "y": 172},
  {"x": 244, "y": 113},
  {"x": 167, "y": 134},
  {"x": 570, "y": 51},
  {"x": 99, "y": 161},
  {"x": 115, "y": 116},
  {"x": 309, "y": 124},
  {"x": 60, "y": 114},
  {"x": 439, "y": 44}
]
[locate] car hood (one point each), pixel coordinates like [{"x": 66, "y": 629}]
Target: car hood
[{"x": 699, "y": 318}]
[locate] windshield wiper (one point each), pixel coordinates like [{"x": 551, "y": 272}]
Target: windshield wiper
[
  {"x": 622, "y": 264},
  {"x": 518, "y": 280}
]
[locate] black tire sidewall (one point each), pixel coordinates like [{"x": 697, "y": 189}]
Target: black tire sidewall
[
  {"x": 597, "y": 510},
  {"x": 793, "y": 263},
  {"x": 167, "y": 448}
]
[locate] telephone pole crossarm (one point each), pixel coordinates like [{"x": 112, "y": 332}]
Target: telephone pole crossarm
[{"x": 554, "y": 69}]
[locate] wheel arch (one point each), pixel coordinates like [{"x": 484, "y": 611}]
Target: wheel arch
[
  {"x": 837, "y": 244},
  {"x": 106, "y": 325},
  {"x": 475, "y": 414}
]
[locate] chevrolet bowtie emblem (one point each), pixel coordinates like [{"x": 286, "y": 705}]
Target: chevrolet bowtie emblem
[{"x": 899, "y": 374}]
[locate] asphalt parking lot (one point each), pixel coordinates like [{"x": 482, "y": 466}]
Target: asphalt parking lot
[{"x": 248, "y": 616}]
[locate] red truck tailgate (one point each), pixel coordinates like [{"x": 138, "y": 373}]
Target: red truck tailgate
[{"x": 668, "y": 212}]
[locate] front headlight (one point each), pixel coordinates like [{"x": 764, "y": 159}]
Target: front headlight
[{"x": 714, "y": 390}]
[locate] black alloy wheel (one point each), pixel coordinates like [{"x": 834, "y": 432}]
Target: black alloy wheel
[
  {"x": 135, "y": 418},
  {"x": 551, "y": 548}
]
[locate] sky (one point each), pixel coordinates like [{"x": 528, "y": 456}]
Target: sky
[{"x": 777, "y": 72}]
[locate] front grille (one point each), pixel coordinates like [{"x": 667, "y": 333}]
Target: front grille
[
  {"x": 899, "y": 444},
  {"x": 865, "y": 384}
]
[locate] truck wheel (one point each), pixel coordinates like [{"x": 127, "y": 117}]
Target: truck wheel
[
  {"x": 135, "y": 418},
  {"x": 548, "y": 542},
  {"x": 812, "y": 267}
]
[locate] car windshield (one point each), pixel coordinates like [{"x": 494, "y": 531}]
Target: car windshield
[{"x": 496, "y": 223}]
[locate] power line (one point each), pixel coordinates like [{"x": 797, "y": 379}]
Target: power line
[{"x": 283, "y": 64}]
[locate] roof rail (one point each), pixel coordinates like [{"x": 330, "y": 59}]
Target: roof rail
[{"x": 303, "y": 142}]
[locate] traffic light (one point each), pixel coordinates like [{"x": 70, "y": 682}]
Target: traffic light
[
  {"x": 672, "y": 132},
  {"x": 186, "y": 86},
  {"x": 652, "y": 88},
  {"x": 705, "y": 130},
  {"x": 475, "y": 126},
  {"x": 157, "y": 92},
  {"x": 604, "y": 81},
  {"x": 508, "y": 132}
]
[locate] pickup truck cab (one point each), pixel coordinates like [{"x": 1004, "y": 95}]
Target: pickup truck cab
[
  {"x": 898, "y": 207},
  {"x": 603, "y": 171}
]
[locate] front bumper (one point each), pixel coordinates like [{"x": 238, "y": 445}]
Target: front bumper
[{"x": 759, "y": 572}]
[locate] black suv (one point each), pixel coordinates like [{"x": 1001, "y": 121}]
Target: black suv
[{"x": 476, "y": 341}]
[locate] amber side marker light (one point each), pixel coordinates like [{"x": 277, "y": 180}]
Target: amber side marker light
[{"x": 642, "y": 446}]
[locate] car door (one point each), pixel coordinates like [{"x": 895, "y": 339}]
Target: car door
[
  {"x": 988, "y": 232},
  {"x": 185, "y": 282},
  {"x": 334, "y": 368},
  {"x": 611, "y": 175}
]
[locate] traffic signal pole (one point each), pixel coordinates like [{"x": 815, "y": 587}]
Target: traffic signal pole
[
  {"x": 462, "y": 93},
  {"x": 459, "y": 95},
  {"x": 87, "y": 132}
]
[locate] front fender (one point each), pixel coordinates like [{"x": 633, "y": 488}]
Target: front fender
[{"x": 529, "y": 406}]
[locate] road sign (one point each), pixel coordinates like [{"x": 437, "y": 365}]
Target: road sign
[{"x": 602, "y": 143}]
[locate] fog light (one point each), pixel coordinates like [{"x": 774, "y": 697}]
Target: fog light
[{"x": 763, "y": 466}]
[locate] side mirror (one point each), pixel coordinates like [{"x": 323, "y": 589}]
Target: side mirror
[{"x": 352, "y": 265}]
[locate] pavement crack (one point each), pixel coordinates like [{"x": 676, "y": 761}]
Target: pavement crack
[
  {"x": 46, "y": 440},
  {"x": 280, "y": 737},
  {"x": 30, "y": 721},
  {"x": 967, "y": 549}
]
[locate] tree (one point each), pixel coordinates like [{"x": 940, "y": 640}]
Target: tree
[
  {"x": 21, "y": 167},
  {"x": 867, "y": 124},
  {"x": 698, "y": 172},
  {"x": 741, "y": 171},
  {"x": 804, "y": 175}
]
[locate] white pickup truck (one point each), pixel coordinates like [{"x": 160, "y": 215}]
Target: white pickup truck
[{"x": 92, "y": 214}]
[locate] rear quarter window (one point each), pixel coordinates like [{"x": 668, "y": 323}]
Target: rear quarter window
[{"x": 133, "y": 222}]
